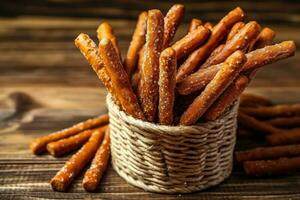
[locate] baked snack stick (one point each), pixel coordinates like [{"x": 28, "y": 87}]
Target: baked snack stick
[
  {"x": 77, "y": 162},
  {"x": 148, "y": 85},
  {"x": 285, "y": 122},
  {"x": 240, "y": 41},
  {"x": 284, "y": 137},
  {"x": 264, "y": 153},
  {"x": 120, "y": 80},
  {"x": 229, "y": 70},
  {"x": 215, "y": 52},
  {"x": 218, "y": 33},
  {"x": 99, "y": 164},
  {"x": 171, "y": 22},
  {"x": 105, "y": 30},
  {"x": 195, "y": 23},
  {"x": 265, "y": 37},
  {"x": 273, "y": 111},
  {"x": 191, "y": 41},
  {"x": 234, "y": 30},
  {"x": 167, "y": 83},
  {"x": 272, "y": 167},
  {"x": 255, "y": 60},
  {"x": 38, "y": 146},
  {"x": 252, "y": 100},
  {"x": 209, "y": 26},
  {"x": 137, "y": 42}
]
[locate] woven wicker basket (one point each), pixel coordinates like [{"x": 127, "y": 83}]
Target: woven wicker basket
[{"x": 172, "y": 159}]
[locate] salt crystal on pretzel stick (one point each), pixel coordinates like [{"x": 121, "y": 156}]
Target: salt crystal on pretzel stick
[
  {"x": 252, "y": 100},
  {"x": 39, "y": 145},
  {"x": 240, "y": 41},
  {"x": 98, "y": 166},
  {"x": 284, "y": 137},
  {"x": 77, "y": 162},
  {"x": 234, "y": 30},
  {"x": 191, "y": 41},
  {"x": 167, "y": 83},
  {"x": 218, "y": 33},
  {"x": 195, "y": 23},
  {"x": 285, "y": 122},
  {"x": 171, "y": 22},
  {"x": 148, "y": 85},
  {"x": 137, "y": 42},
  {"x": 265, "y": 37},
  {"x": 120, "y": 79},
  {"x": 229, "y": 70}
]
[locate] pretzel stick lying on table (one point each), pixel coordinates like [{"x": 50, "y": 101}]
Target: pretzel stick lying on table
[
  {"x": 284, "y": 137},
  {"x": 195, "y": 23},
  {"x": 285, "y": 122},
  {"x": 99, "y": 164},
  {"x": 234, "y": 30},
  {"x": 265, "y": 37},
  {"x": 171, "y": 22},
  {"x": 218, "y": 33},
  {"x": 167, "y": 83},
  {"x": 77, "y": 162},
  {"x": 38, "y": 146},
  {"x": 255, "y": 59},
  {"x": 148, "y": 85},
  {"x": 272, "y": 167},
  {"x": 137, "y": 42},
  {"x": 263, "y": 153},
  {"x": 229, "y": 70},
  {"x": 252, "y": 100},
  {"x": 120, "y": 80}
]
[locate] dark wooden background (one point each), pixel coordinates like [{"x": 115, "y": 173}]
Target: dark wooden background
[{"x": 46, "y": 85}]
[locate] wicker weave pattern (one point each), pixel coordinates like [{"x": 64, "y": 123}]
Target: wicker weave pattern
[{"x": 166, "y": 159}]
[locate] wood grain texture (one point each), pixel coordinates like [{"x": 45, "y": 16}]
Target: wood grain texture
[{"x": 46, "y": 85}]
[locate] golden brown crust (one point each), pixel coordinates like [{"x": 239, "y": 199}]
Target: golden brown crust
[
  {"x": 77, "y": 162},
  {"x": 209, "y": 26},
  {"x": 195, "y": 23},
  {"x": 98, "y": 166},
  {"x": 171, "y": 22},
  {"x": 234, "y": 30},
  {"x": 39, "y": 145},
  {"x": 120, "y": 80},
  {"x": 285, "y": 122},
  {"x": 284, "y": 137},
  {"x": 265, "y": 37},
  {"x": 218, "y": 33},
  {"x": 148, "y": 86},
  {"x": 253, "y": 100},
  {"x": 137, "y": 42},
  {"x": 167, "y": 83},
  {"x": 229, "y": 70}
]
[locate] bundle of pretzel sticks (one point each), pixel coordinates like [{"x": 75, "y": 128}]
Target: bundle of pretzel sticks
[{"x": 280, "y": 126}]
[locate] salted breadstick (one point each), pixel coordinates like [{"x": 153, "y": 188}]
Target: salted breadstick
[
  {"x": 148, "y": 85},
  {"x": 234, "y": 30},
  {"x": 171, "y": 22},
  {"x": 191, "y": 41},
  {"x": 119, "y": 79},
  {"x": 263, "y": 153},
  {"x": 77, "y": 162},
  {"x": 229, "y": 70},
  {"x": 167, "y": 83},
  {"x": 137, "y": 42},
  {"x": 264, "y": 38},
  {"x": 99, "y": 164},
  {"x": 218, "y": 33},
  {"x": 272, "y": 167},
  {"x": 195, "y": 23},
  {"x": 240, "y": 41},
  {"x": 38, "y": 146},
  {"x": 284, "y": 137},
  {"x": 285, "y": 122},
  {"x": 215, "y": 53},
  {"x": 209, "y": 26},
  {"x": 254, "y": 124},
  {"x": 252, "y": 100},
  {"x": 105, "y": 30}
]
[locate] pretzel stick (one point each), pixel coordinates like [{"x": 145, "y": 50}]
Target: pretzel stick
[
  {"x": 209, "y": 26},
  {"x": 38, "y": 146},
  {"x": 265, "y": 37},
  {"x": 240, "y": 41},
  {"x": 234, "y": 30},
  {"x": 285, "y": 122},
  {"x": 137, "y": 42},
  {"x": 263, "y": 153},
  {"x": 194, "y": 24},
  {"x": 218, "y": 33},
  {"x": 148, "y": 85},
  {"x": 171, "y": 22},
  {"x": 105, "y": 30},
  {"x": 77, "y": 162},
  {"x": 272, "y": 167},
  {"x": 119, "y": 79},
  {"x": 215, "y": 53},
  {"x": 99, "y": 164},
  {"x": 189, "y": 42},
  {"x": 284, "y": 137},
  {"x": 167, "y": 83},
  {"x": 252, "y": 100},
  {"x": 229, "y": 70}
]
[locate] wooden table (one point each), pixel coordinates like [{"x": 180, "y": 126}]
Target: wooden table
[{"x": 46, "y": 85}]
